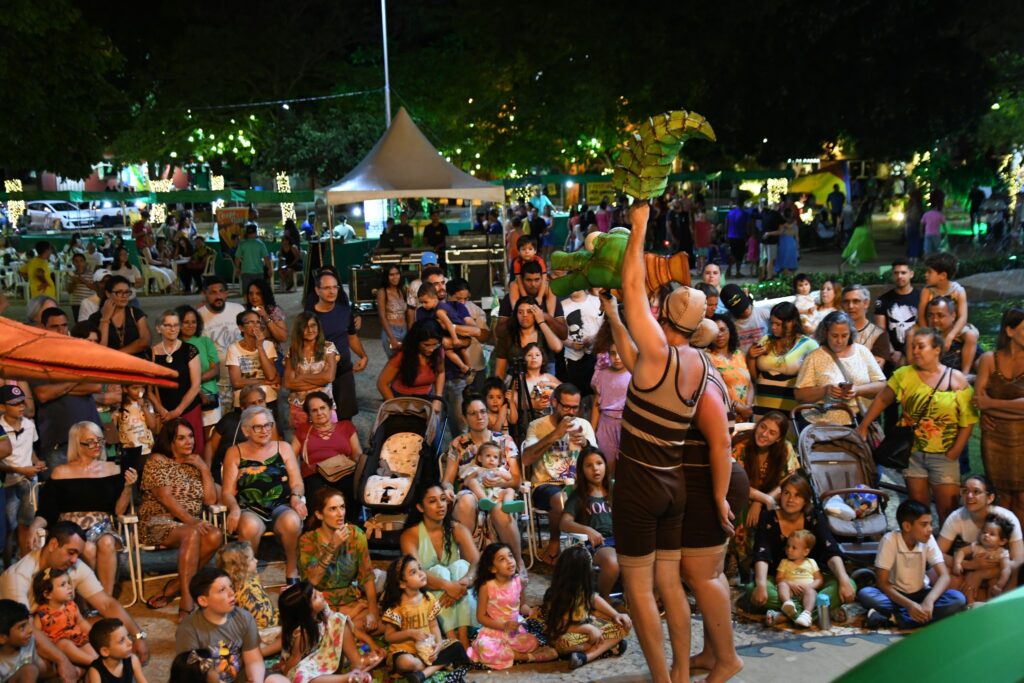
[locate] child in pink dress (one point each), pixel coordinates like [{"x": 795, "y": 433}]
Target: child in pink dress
[{"x": 502, "y": 638}]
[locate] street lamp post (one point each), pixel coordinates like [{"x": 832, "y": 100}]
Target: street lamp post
[{"x": 387, "y": 78}]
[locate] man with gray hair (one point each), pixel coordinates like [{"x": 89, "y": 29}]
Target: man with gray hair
[{"x": 856, "y": 299}]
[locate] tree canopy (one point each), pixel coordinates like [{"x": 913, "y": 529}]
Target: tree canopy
[{"x": 511, "y": 87}]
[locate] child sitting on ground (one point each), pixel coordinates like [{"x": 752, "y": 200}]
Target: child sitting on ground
[
  {"x": 502, "y": 639},
  {"x": 19, "y": 662},
  {"x": 486, "y": 466},
  {"x": 527, "y": 247},
  {"x": 445, "y": 314},
  {"x": 315, "y": 639},
  {"x": 415, "y": 646},
  {"x": 940, "y": 269},
  {"x": 571, "y": 604},
  {"x": 902, "y": 591},
  {"x": 798, "y": 576},
  {"x": 58, "y": 617},
  {"x": 238, "y": 560},
  {"x": 989, "y": 558},
  {"x": 109, "y": 637},
  {"x": 226, "y": 630}
]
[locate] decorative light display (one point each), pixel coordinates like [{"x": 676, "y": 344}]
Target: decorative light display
[
  {"x": 1011, "y": 172},
  {"x": 158, "y": 212},
  {"x": 15, "y": 208},
  {"x": 284, "y": 184},
  {"x": 777, "y": 189},
  {"x": 217, "y": 184}
]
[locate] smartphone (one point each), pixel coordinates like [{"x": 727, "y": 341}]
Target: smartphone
[
  {"x": 846, "y": 386},
  {"x": 130, "y": 459}
]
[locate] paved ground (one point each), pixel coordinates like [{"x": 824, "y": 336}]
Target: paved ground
[{"x": 769, "y": 653}]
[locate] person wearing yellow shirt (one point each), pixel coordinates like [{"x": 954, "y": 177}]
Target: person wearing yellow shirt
[{"x": 37, "y": 272}]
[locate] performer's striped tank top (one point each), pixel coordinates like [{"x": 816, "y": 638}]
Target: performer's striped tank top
[{"x": 656, "y": 422}]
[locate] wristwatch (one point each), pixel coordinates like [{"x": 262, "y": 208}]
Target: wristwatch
[
  {"x": 302, "y": 498},
  {"x": 141, "y": 635}
]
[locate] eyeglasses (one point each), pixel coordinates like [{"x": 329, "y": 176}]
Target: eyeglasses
[
  {"x": 265, "y": 427},
  {"x": 92, "y": 443}
]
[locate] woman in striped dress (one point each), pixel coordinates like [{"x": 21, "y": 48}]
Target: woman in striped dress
[{"x": 775, "y": 361}]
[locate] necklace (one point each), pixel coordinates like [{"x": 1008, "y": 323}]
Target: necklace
[{"x": 170, "y": 354}]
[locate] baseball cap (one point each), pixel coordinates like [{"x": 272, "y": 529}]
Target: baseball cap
[
  {"x": 685, "y": 308},
  {"x": 735, "y": 299},
  {"x": 100, "y": 274},
  {"x": 428, "y": 258},
  {"x": 10, "y": 393}
]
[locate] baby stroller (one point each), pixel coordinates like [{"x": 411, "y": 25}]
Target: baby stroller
[
  {"x": 839, "y": 462},
  {"x": 404, "y": 448}
]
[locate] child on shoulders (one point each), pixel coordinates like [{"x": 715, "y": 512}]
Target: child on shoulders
[
  {"x": 902, "y": 592},
  {"x": 527, "y": 246},
  {"x": 940, "y": 269}
]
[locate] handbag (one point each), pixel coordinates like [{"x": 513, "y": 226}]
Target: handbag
[
  {"x": 332, "y": 469},
  {"x": 895, "y": 449},
  {"x": 875, "y": 435}
]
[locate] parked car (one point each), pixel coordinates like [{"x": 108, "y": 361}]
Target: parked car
[
  {"x": 58, "y": 215},
  {"x": 107, "y": 213}
]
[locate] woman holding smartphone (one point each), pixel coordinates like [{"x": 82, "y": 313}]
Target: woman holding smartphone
[{"x": 839, "y": 371}]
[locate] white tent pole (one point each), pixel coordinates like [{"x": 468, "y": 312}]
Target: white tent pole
[{"x": 387, "y": 77}]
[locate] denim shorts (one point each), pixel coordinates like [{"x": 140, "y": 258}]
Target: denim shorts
[
  {"x": 19, "y": 508},
  {"x": 939, "y": 469}
]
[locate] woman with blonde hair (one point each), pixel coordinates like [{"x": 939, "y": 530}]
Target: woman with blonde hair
[{"x": 91, "y": 492}]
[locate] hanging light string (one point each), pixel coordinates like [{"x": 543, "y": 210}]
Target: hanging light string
[{"x": 283, "y": 103}]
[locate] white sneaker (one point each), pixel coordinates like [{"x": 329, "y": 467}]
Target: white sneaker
[
  {"x": 772, "y": 617},
  {"x": 789, "y": 609},
  {"x": 804, "y": 620}
]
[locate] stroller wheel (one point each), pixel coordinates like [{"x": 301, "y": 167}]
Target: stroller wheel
[{"x": 863, "y": 577}]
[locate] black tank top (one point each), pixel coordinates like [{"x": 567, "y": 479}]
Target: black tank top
[{"x": 127, "y": 673}]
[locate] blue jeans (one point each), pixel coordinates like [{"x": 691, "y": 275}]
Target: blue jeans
[
  {"x": 949, "y": 603},
  {"x": 932, "y": 244}
]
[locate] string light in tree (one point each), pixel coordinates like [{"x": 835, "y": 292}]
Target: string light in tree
[
  {"x": 15, "y": 207},
  {"x": 284, "y": 184}
]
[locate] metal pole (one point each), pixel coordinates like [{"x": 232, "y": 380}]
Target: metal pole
[{"x": 387, "y": 77}]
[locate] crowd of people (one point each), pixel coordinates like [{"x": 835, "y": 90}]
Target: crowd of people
[{"x": 658, "y": 434}]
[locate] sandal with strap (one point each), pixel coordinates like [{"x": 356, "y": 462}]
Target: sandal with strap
[{"x": 161, "y": 599}]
